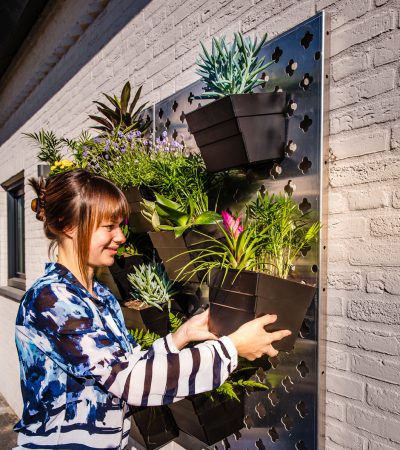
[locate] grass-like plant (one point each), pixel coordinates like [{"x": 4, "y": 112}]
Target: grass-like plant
[
  {"x": 151, "y": 285},
  {"x": 231, "y": 69},
  {"x": 289, "y": 232},
  {"x": 270, "y": 240}
]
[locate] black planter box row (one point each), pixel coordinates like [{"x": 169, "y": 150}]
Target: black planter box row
[
  {"x": 239, "y": 298},
  {"x": 240, "y": 129}
]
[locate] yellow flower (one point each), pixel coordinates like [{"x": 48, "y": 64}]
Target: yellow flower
[{"x": 53, "y": 167}]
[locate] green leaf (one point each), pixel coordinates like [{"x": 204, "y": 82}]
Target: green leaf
[
  {"x": 125, "y": 96},
  {"x": 207, "y": 218}
]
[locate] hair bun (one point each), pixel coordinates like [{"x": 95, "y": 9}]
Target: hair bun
[{"x": 35, "y": 205}]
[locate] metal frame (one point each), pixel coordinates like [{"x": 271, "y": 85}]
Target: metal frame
[{"x": 291, "y": 414}]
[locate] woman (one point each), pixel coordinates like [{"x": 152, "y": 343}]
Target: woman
[{"x": 80, "y": 369}]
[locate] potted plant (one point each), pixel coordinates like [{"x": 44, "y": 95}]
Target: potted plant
[
  {"x": 151, "y": 296},
  {"x": 176, "y": 227},
  {"x": 241, "y": 127},
  {"x": 214, "y": 415},
  {"x": 249, "y": 270},
  {"x": 211, "y": 416}
]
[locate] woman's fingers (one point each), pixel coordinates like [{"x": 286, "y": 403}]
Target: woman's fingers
[
  {"x": 271, "y": 351},
  {"x": 267, "y": 319},
  {"x": 278, "y": 335}
]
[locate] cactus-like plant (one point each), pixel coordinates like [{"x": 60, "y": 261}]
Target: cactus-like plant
[
  {"x": 151, "y": 285},
  {"x": 231, "y": 69}
]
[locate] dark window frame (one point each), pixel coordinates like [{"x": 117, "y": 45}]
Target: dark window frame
[{"x": 16, "y": 277}]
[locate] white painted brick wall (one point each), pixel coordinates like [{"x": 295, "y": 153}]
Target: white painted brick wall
[{"x": 83, "y": 48}]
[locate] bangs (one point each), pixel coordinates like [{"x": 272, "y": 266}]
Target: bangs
[{"x": 110, "y": 203}]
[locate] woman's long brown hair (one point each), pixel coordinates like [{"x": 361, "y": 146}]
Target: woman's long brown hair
[{"x": 77, "y": 199}]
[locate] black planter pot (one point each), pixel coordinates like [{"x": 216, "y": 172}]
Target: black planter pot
[
  {"x": 168, "y": 246},
  {"x": 150, "y": 318},
  {"x": 153, "y": 426},
  {"x": 135, "y": 196},
  {"x": 236, "y": 301},
  {"x": 240, "y": 129},
  {"x": 207, "y": 420},
  {"x": 120, "y": 269}
]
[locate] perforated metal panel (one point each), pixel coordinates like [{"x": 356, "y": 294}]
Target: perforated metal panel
[{"x": 286, "y": 416}]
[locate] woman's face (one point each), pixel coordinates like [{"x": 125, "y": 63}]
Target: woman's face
[{"x": 104, "y": 243}]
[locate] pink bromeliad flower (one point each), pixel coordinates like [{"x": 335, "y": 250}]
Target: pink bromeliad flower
[{"x": 231, "y": 224}]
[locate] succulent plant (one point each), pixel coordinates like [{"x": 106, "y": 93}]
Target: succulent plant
[
  {"x": 151, "y": 285},
  {"x": 231, "y": 69},
  {"x": 121, "y": 116},
  {"x": 165, "y": 214}
]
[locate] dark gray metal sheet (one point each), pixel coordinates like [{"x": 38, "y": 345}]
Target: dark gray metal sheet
[{"x": 286, "y": 416}]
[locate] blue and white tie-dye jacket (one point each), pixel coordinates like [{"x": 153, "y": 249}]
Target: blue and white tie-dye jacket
[{"x": 80, "y": 369}]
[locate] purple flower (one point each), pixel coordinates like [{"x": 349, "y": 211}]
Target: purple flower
[
  {"x": 97, "y": 166},
  {"x": 99, "y": 157},
  {"x": 120, "y": 133},
  {"x": 85, "y": 154},
  {"x": 164, "y": 134},
  {"x": 108, "y": 141},
  {"x": 106, "y": 147},
  {"x": 129, "y": 136},
  {"x": 123, "y": 149},
  {"x": 96, "y": 140},
  {"x": 138, "y": 133},
  {"x": 106, "y": 156},
  {"x": 145, "y": 142}
]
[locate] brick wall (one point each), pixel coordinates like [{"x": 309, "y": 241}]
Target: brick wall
[{"x": 82, "y": 48}]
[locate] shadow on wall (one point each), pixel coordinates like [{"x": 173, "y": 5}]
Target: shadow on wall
[{"x": 98, "y": 22}]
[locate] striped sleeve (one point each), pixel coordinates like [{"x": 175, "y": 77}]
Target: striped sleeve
[
  {"x": 157, "y": 376},
  {"x": 66, "y": 333},
  {"x": 162, "y": 374}
]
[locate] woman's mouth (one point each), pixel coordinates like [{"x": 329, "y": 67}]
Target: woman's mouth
[{"x": 112, "y": 250}]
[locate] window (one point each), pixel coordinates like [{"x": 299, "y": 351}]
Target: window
[{"x": 16, "y": 231}]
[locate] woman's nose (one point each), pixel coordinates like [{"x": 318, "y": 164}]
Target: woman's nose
[{"x": 119, "y": 237}]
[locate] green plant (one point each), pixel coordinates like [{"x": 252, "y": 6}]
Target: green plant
[
  {"x": 179, "y": 176},
  {"x": 230, "y": 387},
  {"x": 167, "y": 215},
  {"x": 49, "y": 144},
  {"x": 290, "y": 231},
  {"x": 231, "y": 69},
  {"x": 144, "y": 338},
  {"x": 129, "y": 247},
  {"x": 150, "y": 284},
  {"x": 51, "y": 149},
  {"x": 238, "y": 250},
  {"x": 121, "y": 115},
  {"x": 270, "y": 240}
]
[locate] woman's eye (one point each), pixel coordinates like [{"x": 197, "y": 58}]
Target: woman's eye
[{"x": 109, "y": 227}]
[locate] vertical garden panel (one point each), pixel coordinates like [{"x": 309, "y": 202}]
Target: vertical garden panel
[{"x": 285, "y": 416}]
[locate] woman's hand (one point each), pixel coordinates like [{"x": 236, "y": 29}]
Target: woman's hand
[
  {"x": 252, "y": 341},
  {"x": 194, "y": 329}
]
